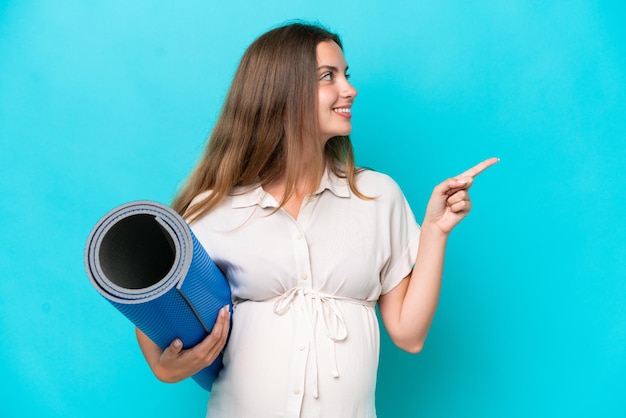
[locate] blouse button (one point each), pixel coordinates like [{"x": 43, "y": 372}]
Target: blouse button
[
  {"x": 296, "y": 391},
  {"x": 304, "y": 276},
  {"x": 301, "y": 347}
]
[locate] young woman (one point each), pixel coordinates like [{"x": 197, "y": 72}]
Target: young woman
[{"x": 308, "y": 242}]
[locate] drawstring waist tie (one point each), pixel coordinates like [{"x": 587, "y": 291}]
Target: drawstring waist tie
[{"x": 318, "y": 306}]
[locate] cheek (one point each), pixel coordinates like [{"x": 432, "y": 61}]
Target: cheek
[{"x": 325, "y": 99}]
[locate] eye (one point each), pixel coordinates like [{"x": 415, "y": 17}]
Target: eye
[
  {"x": 327, "y": 76},
  {"x": 347, "y": 76}
]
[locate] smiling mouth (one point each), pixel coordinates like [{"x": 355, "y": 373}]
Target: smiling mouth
[{"x": 342, "y": 110}]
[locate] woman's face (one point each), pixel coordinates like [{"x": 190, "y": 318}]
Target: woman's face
[{"x": 335, "y": 93}]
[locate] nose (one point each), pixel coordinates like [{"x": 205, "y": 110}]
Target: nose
[{"x": 348, "y": 91}]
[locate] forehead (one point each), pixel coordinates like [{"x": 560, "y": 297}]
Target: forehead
[{"x": 330, "y": 54}]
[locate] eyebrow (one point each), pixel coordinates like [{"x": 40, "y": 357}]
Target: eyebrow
[{"x": 330, "y": 68}]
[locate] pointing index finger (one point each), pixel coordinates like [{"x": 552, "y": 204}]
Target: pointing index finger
[{"x": 478, "y": 168}]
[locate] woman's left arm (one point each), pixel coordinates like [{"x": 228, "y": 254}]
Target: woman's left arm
[{"x": 408, "y": 310}]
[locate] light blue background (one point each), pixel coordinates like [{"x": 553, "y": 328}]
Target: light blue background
[{"x": 104, "y": 102}]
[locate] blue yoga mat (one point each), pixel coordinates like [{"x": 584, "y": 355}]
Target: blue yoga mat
[{"x": 145, "y": 260}]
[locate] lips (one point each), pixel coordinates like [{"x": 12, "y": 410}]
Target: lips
[{"x": 343, "y": 111}]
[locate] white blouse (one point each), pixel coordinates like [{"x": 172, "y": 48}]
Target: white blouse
[{"x": 305, "y": 337}]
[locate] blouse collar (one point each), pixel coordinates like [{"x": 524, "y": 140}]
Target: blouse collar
[{"x": 257, "y": 196}]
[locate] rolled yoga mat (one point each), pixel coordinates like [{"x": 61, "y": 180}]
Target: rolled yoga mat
[{"x": 145, "y": 260}]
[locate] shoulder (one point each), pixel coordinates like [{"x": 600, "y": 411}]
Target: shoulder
[
  {"x": 240, "y": 194},
  {"x": 230, "y": 208},
  {"x": 200, "y": 201},
  {"x": 376, "y": 184},
  {"x": 200, "y": 197}
]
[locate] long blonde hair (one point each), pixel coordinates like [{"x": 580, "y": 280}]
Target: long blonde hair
[{"x": 268, "y": 121}]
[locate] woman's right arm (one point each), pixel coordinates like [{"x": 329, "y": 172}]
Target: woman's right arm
[{"x": 175, "y": 364}]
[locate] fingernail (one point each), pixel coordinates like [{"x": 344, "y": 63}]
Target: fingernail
[{"x": 462, "y": 181}]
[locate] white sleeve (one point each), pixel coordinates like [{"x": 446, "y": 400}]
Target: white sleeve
[{"x": 403, "y": 236}]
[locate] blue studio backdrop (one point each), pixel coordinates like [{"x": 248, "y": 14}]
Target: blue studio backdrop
[{"x": 104, "y": 102}]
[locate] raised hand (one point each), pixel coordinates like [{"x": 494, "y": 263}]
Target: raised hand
[{"x": 450, "y": 201}]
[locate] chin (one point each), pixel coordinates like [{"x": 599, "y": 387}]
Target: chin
[{"x": 344, "y": 132}]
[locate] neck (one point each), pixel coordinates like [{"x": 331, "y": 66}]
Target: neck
[{"x": 304, "y": 185}]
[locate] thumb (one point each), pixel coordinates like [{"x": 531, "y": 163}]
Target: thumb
[
  {"x": 459, "y": 183},
  {"x": 449, "y": 186},
  {"x": 175, "y": 347}
]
